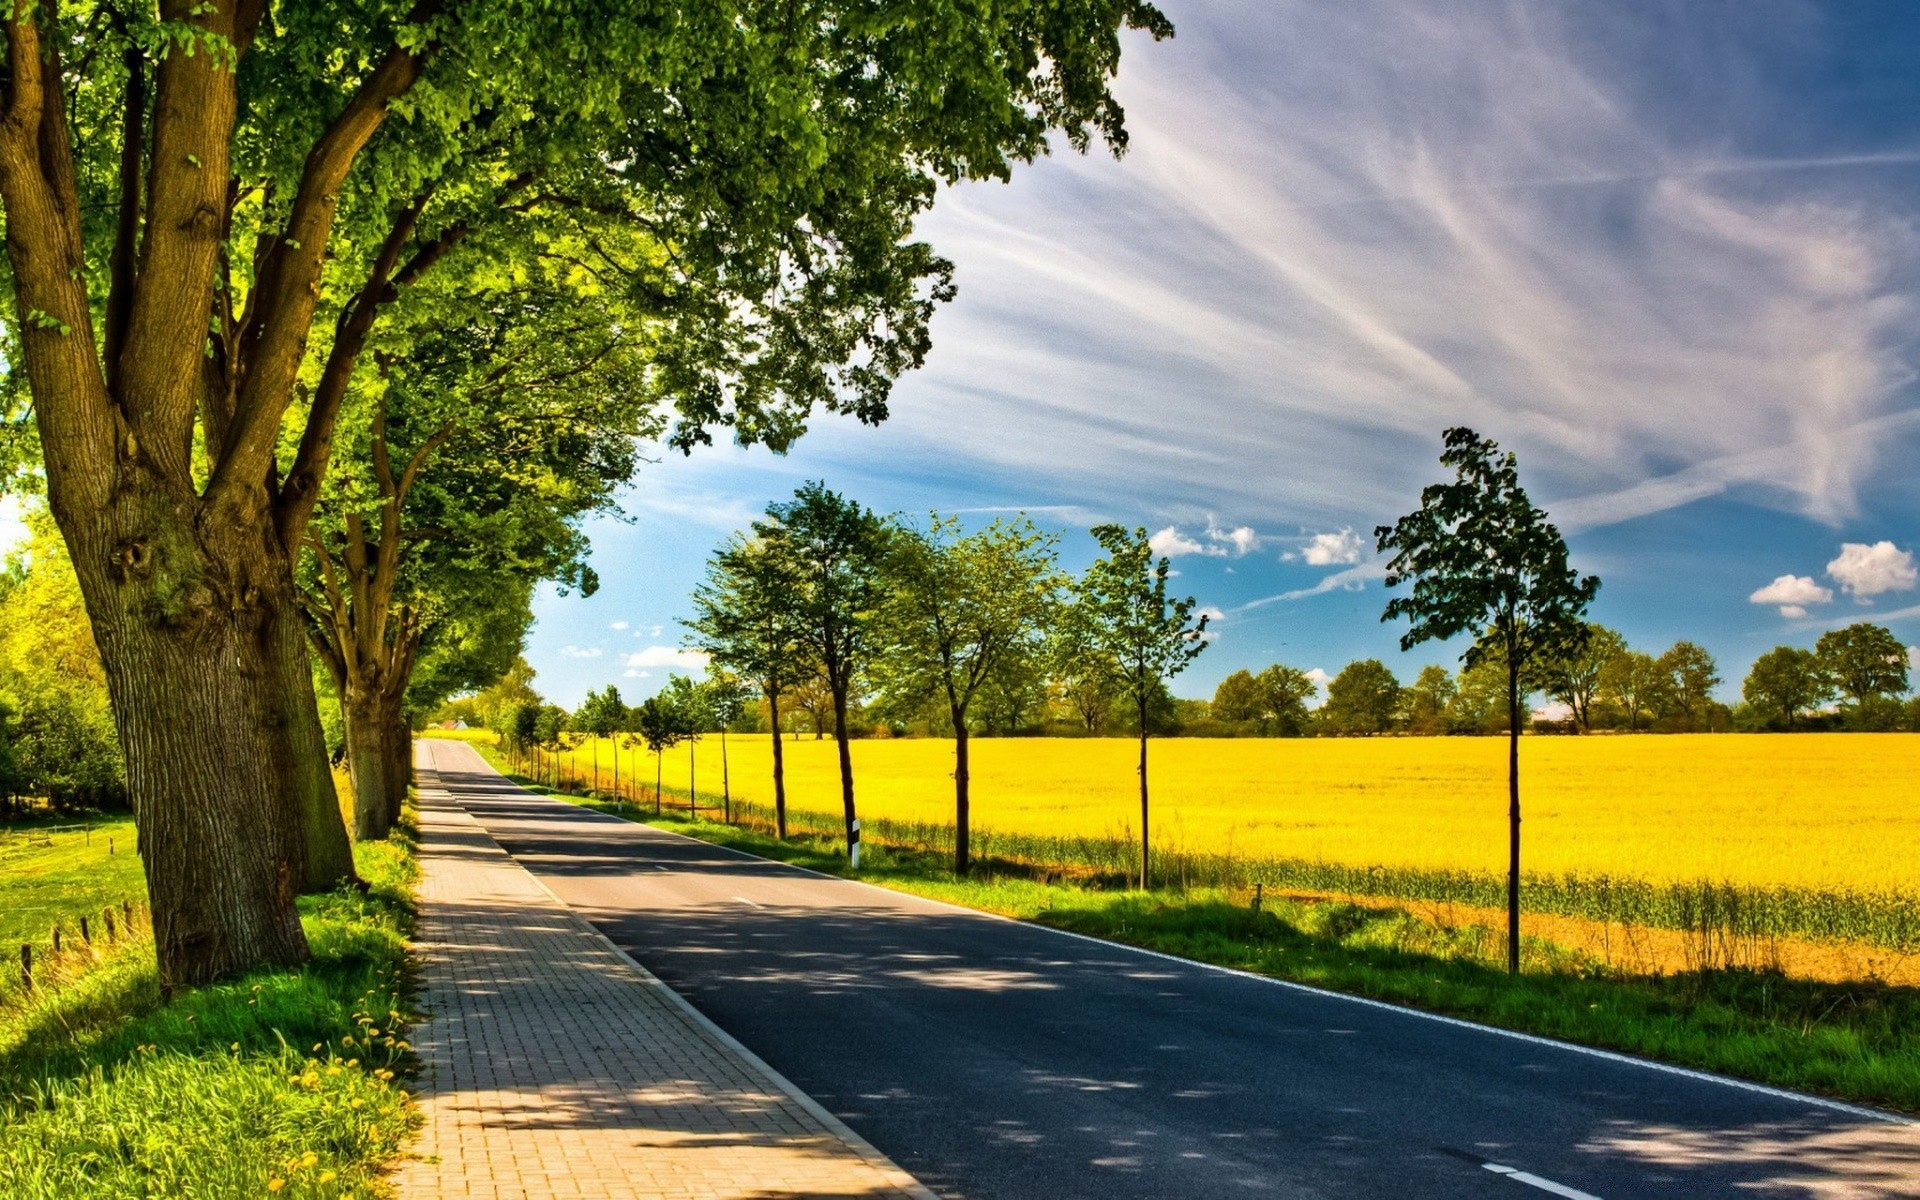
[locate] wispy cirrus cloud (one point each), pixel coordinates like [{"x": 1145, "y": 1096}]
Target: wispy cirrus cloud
[{"x": 1394, "y": 219}]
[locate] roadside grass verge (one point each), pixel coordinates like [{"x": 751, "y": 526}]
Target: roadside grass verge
[
  {"x": 1856, "y": 1041},
  {"x": 279, "y": 1082},
  {"x": 55, "y": 870}
]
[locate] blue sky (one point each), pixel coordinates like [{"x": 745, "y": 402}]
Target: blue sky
[{"x": 1665, "y": 252}]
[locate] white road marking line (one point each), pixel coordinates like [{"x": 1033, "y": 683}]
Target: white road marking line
[
  {"x": 749, "y": 903},
  {"x": 1647, "y": 1064},
  {"x": 1532, "y": 1180}
]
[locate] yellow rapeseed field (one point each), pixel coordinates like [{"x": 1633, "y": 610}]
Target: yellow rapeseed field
[{"x": 1807, "y": 810}]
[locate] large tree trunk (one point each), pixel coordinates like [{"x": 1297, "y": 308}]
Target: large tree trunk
[
  {"x": 779, "y": 769},
  {"x": 1513, "y": 819},
  {"x": 367, "y": 763},
  {"x": 186, "y": 632},
  {"x": 399, "y": 763},
  {"x": 328, "y": 859},
  {"x": 961, "y": 800}
]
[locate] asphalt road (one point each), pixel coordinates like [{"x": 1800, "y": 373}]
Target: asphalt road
[{"x": 1000, "y": 1060}]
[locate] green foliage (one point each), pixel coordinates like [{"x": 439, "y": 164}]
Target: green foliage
[
  {"x": 959, "y": 611},
  {"x": 1865, "y": 662},
  {"x": 744, "y": 617},
  {"x": 602, "y": 713},
  {"x": 1274, "y": 701},
  {"x": 1126, "y": 625},
  {"x": 1787, "y": 681},
  {"x": 1691, "y": 676},
  {"x": 1634, "y": 685},
  {"x": 1483, "y": 560},
  {"x": 1574, "y": 678},
  {"x": 1427, "y": 700},
  {"x": 57, "y": 738},
  {"x": 1363, "y": 699}
]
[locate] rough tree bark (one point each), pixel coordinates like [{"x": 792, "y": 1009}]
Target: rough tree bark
[{"x": 962, "y": 824}]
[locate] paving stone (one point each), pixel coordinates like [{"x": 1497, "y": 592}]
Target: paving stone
[{"x": 554, "y": 1067}]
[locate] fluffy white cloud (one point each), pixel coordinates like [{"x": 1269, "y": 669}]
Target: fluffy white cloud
[
  {"x": 1333, "y": 549},
  {"x": 1320, "y": 679},
  {"x": 1240, "y": 540},
  {"x": 1913, "y": 658},
  {"x": 669, "y": 656},
  {"x": 1792, "y": 593},
  {"x": 581, "y": 651},
  {"x": 1171, "y": 543},
  {"x": 1864, "y": 571},
  {"x": 618, "y": 625},
  {"x": 631, "y": 673}
]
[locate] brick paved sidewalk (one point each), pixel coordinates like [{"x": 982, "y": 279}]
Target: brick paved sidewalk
[{"x": 555, "y": 1066}]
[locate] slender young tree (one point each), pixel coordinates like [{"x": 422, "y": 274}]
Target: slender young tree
[
  {"x": 833, "y": 548},
  {"x": 1484, "y": 561},
  {"x": 958, "y": 608},
  {"x": 746, "y": 621},
  {"x": 725, "y": 696},
  {"x": 1124, "y": 619}
]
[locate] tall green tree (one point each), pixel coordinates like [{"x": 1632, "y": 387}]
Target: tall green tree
[
  {"x": 1484, "y": 561},
  {"x": 1634, "y": 684},
  {"x": 187, "y": 189},
  {"x": 1787, "y": 681},
  {"x": 1284, "y": 693},
  {"x": 746, "y": 620},
  {"x": 602, "y": 715},
  {"x": 1866, "y": 662},
  {"x": 1575, "y": 679},
  {"x": 661, "y": 725},
  {"x": 1427, "y": 699},
  {"x": 1237, "y": 698},
  {"x": 1363, "y": 699},
  {"x": 957, "y": 608},
  {"x": 834, "y": 548},
  {"x": 1690, "y": 677},
  {"x": 1142, "y": 636}
]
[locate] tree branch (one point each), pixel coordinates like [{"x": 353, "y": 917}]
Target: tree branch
[{"x": 277, "y": 338}]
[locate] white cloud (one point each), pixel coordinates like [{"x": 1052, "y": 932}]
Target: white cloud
[
  {"x": 654, "y": 630},
  {"x": 1913, "y": 658},
  {"x": 581, "y": 651},
  {"x": 618, "y": 625},
  {"x": 1171, "y": 543},
  {"x": 1320, "y": 680},
  {"x": 1340, "y": 229},
  {"x": 1241, "y": 539},
  {"x": 669, "y": 656},
  {"x": 1865, "y": 571},
  {"x": 631, "y": 673},
  {"x": 1333, "y": 549},
  {"x": 1792, "y": 593}
]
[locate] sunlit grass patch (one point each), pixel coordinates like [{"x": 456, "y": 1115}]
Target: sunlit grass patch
[{"x": 278, "y": 1082}]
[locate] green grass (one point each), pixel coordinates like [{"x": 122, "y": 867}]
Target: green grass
[
  {"x": 278, "y": 1082},
  {"x": 70, "y": 874},
  {"x": 1858, "y": 1042}
]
